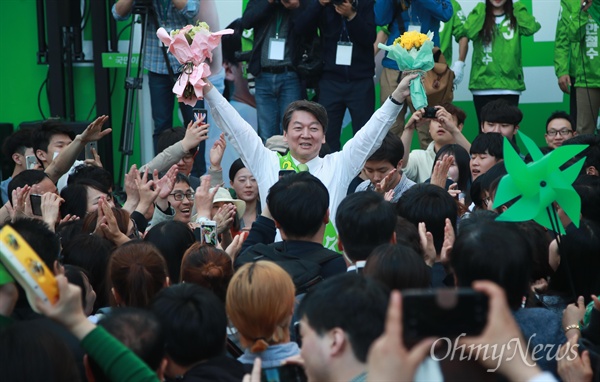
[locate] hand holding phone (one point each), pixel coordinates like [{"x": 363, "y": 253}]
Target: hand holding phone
[
  {"x": 200, "y": 114},
  {"x": 284, "y": 373},
  {"x": 31, "y": 162},
  {"x": 89, "y": 154},
  {"x": 36, "y": 204}
]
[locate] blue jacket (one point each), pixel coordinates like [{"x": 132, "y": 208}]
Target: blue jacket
[
  {"x": 428, "y": 13},
  {"x": 360, "y": 31}
]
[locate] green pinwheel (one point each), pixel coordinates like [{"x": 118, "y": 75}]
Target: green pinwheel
[{"x": 539, "y": 184}]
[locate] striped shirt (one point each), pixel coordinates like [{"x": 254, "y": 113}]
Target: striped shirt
[{"x": 169, "y": 18}]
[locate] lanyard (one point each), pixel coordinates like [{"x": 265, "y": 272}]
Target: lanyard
[
  {"x": 344, "y": 30},
  {"x": 278, "y": 24}
]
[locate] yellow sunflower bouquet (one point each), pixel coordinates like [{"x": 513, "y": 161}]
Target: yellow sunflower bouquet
[{"x": 413, "y": 52}]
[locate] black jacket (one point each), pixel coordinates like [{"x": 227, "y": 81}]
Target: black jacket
[{"x": 361, "y": 31}]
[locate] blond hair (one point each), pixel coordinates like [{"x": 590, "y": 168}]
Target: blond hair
[{"x": 260, "y": 301}]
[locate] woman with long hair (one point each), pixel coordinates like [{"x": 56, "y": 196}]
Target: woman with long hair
[{"x": 496, "y": 28}]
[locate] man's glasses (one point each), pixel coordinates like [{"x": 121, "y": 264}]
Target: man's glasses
[
  {"x": 178, "y": 196},
  {"x": 563, "y": 133}
]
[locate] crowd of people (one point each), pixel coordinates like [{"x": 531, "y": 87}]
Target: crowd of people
[{"x": 315, "y": 245}]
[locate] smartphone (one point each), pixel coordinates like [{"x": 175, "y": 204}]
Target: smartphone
[
  {"x": 36, "y": 204},
  {"x": 31, "y": 162},
  {"x": 208, "y": 230},
  {"x": 285, "y": 373},
  {"x": 88, "y": 149},
  {"x": 443, "y": 313},
  {"x": 429, "y": 112},
  {"x": 283, "y": 173},
  {"x": 200, "y": 114}
]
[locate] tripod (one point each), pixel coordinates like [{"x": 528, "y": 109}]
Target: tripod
[{"x": 134, "y": 83}]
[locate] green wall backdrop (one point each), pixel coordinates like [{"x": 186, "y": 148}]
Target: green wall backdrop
[{"x": 21, "y": 77}]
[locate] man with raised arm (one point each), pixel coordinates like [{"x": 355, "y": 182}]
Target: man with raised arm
[{"x": 305, "y": 125}]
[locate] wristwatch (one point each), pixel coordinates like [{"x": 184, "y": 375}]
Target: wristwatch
[{"x": 394, "y": 101}]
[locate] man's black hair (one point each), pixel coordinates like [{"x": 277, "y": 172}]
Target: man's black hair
[
  {"x": 489, "y": 143},
  {"x": 500, "y": 111},
  {"x": 591, "y": 154},
  {"x": 232, "y": 43},
  {"x": 364, "y": 220},
  {"x": 25, "y": 178},
  {"x": 17, "y": 142},
  {"x": 560, "y": 115},
  {"x": 42, "y": 135},
  {"x": 194, "y": 323},
  {"x": 299, "y": 203},
  {"x": 95, "y": 173},
  {"x": 494, "y": 251},
  {"x": 391, "y": 150},
  {"x": 588, "y": 188},
  {"x": 171, "y": 136},
  {"x": 431, "y": 205},
  {"x": 140, "y": 331},
  {"x": 353, "y": 303},
  {"x": 316, "y": 109}
]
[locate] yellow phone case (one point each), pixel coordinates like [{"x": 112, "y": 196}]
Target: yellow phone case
[{"x": 27, "y": 267}]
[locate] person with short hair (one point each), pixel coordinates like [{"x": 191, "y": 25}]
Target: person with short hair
[
  {"x": 445, "y": 128},
  {"x": 16, "y": 148},
  {"x": 340, "y": 321},
  {"x": 384, "y": 167},
  {"x": 139, "y": 330},
  {"x": 195, "y": 326},
  {"x": 364, "y": 220},
  {"x": 305, "y": 125},
  {"x": 298, "y": 206},
  {"x": 486, "y": 151},
  {"x": 500, "y": 116},
  {"x": 559, "y": 128}
]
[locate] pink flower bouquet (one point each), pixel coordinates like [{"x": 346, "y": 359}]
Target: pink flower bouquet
[{"x": 191, "y": 45}]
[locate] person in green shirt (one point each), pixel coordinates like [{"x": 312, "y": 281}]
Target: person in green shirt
[
  {"x": 455, "y": 27},
  {"x": 566, "y": 51},
  {"x": 496, "y": 28},
  {"x": 587, "y": 81}
]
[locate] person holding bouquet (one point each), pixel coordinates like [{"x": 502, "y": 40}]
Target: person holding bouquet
[{"x": 496, "y": 28}]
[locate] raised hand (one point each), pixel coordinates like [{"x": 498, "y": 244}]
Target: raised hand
[
  {"x": 196, "y": 132},
  {"x": 51, "y": 209},
  {"x": 94, "y": 131},
  {"x": 216, "y": 152}
]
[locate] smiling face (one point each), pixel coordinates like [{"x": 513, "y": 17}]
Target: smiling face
[
  {"x": 304, "y": 136},
  {"x": 93, "y": 196},
  {"x": 245, "y": 185},
  {"x": 557, "y": 131},
  {"x": 183, "y": 207}
]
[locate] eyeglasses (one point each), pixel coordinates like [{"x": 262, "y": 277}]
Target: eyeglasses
[
  {"x": 178, "y": 196},
  {"x": 564, "y": 132}
]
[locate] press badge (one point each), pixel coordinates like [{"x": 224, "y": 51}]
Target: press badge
[
  {"x": 414, "y": 27},
  {"x": 343, "y": 55},
  {"x": 276, "y": 48}
]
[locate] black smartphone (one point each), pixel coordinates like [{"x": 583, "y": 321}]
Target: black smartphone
[
  {"x": 283, "y": 173},
  {"x": 443, "y": 313},
  {"x": 200, "y": 114},
  {"x": 429, "y": 112},
  {"x": 36, "y": 204},
  {"x": 285, "y": 373}
]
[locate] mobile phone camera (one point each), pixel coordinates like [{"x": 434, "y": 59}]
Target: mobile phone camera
[{"x": 430, "y": 112}]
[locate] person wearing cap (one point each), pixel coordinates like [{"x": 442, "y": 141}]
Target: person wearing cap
[
  {"x": 227, "y": 211},
  {"x": 304, "y": 125}
]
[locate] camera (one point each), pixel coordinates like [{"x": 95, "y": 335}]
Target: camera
[{"x": 429, "y": 112}]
